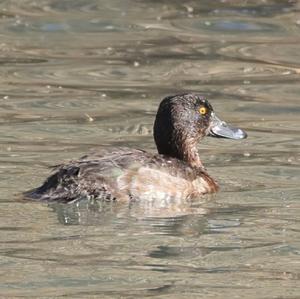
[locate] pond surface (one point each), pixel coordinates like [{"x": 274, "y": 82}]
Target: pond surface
[{"x": 80, "y": 74}]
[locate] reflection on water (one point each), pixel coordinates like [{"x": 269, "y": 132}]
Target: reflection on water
[{"x": 80, "y": 74}]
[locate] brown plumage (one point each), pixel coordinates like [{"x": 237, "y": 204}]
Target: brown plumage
[{"x": 125, "y": 174}]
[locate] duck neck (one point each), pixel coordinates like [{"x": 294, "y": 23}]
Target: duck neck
[
  {"x": 189, "y": 153},
  {"x": 184, "y": 149}
]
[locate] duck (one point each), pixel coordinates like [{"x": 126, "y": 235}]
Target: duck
[{"x": 126, "y": 174}]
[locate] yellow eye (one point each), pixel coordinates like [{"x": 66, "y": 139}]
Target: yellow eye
[{"x": 202, "y": 110}]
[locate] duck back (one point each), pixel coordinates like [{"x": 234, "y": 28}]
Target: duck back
[{"x": 124, "y": 174}]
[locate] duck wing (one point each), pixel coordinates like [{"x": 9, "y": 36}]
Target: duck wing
[{"x": 123, "y": 174}]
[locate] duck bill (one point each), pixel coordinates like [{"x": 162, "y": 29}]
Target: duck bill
[{"x": 221, "y": 129}]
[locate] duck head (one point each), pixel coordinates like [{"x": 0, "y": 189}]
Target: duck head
[{"x": 182, "y": 121}]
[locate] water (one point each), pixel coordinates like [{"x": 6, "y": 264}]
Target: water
[{"x": 80, "y": 74}]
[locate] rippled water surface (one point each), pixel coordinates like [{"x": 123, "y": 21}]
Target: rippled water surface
[{"x": 80, "y": 74}]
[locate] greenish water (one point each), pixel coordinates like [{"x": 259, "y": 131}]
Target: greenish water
[{"x": 76, "y": 75}]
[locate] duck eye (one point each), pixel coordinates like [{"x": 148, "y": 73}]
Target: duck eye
[{"x": 202, "y": 110}]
